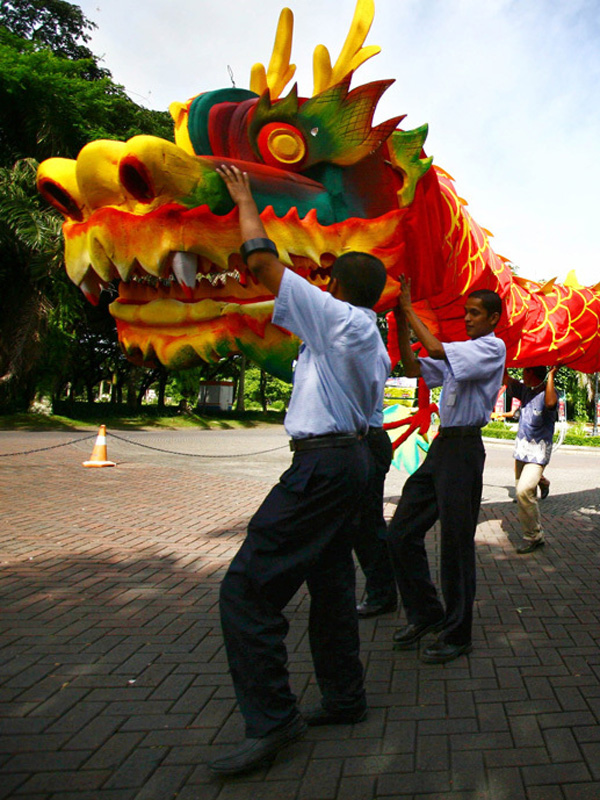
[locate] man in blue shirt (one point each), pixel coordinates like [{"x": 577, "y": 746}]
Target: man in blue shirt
[
  {"x": 533, "y": 446},
  {"x": 300, "y": 532},
  {"x": 447, "y": 486},
  {"x": 370, "y": 534}
]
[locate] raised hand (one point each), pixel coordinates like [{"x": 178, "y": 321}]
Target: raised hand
[
  {"x": 404, "y": 297},
  {"x": 237, "y": 182}
]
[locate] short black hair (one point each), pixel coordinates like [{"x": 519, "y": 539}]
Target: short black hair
[
  {"x": 361, "y": 276},
  {"x": 490, "y": 300}
]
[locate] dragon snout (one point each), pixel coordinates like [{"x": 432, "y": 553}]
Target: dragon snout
[
  {"x": 57, "y": 183},
  {"x": 136, "y": 179},
  {"x": 135, "y": 176}
]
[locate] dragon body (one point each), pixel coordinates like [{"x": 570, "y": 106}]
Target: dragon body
[{"x": 155, "y": 217}]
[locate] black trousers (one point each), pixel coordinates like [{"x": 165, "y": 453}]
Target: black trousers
[
  {"x": 299, "y": 533},
  {"x": 447, "y": 486},
  {"x": 370, "y": 532}
]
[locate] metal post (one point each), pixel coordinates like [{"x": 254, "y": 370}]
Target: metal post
[{"x": 595, "y": 430}]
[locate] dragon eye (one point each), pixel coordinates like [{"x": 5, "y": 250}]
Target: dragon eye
[{"x": 281, "y": 144}]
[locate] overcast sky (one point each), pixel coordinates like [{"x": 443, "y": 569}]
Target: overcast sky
[{"x": 510, "y": 89}]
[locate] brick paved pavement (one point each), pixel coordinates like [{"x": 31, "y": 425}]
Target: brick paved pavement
[{"x": 113, "y": 680}]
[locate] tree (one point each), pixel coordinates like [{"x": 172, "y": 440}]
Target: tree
[
  {"x": 30, "y": 246},
  {"x": 49, "y": 107},
  {"x": 52, "y": 102},
  {"x": 240, "y": 394},
  {"x": 54, "y": 24},
  {"x": 265, "y": 389},
  {"x": 579, "y": 390}
]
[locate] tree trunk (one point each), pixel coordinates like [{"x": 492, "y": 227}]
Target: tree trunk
[
  {"x": 130, "y": 383},
  {"x": 240, "y": 404},
  {"x": 140, "y": 395},
  {"x": 22, "y": 326},
  {"x": 162, "y": 385},
  {"x": 114, "y": 389},
  {"x": 147, "y": 381},
  {"x": 263, "y": 390}
]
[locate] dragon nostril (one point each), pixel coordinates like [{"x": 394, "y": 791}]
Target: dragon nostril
[
  {"x": 136, "y": 179},
  {"x": 60, "y": 199}
]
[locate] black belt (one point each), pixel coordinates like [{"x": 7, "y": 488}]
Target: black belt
[
  {"x": 459, "y": 430},
  {"x": 326, "y": 440}
]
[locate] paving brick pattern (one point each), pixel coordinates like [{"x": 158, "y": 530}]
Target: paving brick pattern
[{"x": 113, "y": 678}]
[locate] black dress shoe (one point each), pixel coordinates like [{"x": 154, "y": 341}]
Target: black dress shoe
[
  {"x": 369, "y": 609},
  {"x": 321, "y": 716},
  {"x": 528, "y": 546},
  {"x": 406, "y": 638},
  {"x": 440, "y": 652},
  {"x": 254, "y": 753}
]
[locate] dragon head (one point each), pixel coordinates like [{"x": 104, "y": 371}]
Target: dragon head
[{"x": 157, "y": 217}]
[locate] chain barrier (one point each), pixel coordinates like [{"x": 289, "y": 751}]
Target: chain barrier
[
  {"x": 147, "y": 446},
  {"x": 562, "y": 432},
  {"x": 198, "y": 455},
  {"x": 50, "y": 447}
]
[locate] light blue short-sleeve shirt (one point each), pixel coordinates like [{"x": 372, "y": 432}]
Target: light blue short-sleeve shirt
[
  {"x": 533, "y": 444},
  {"x": 471, "y": 376},
  {"x": 342, "y": 365}
]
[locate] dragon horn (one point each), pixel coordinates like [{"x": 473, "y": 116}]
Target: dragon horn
[
  {"x": 352, "y": 55},
  {"x": 280, "y": 71}
]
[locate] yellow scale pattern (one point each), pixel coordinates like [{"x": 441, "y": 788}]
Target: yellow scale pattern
[{"x": 546, "y": 323}]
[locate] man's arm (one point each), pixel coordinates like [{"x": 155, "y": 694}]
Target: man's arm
[
  {"x": 433, "y": 345},
  {"x": 502, "y": 414},
  {"x": 551, "y": 396},
  {"x": 263, "y": 264},
  {"x": 412, "y": 368},
  {"x": 508, "y": 380}
]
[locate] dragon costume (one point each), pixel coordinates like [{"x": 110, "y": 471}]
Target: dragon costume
[{"x": 156, "y": 217}]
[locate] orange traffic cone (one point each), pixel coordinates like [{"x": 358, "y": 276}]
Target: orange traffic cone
[{"x": 98, "y": 457}]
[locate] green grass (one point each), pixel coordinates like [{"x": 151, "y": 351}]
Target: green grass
[
  {"x": 90, "y": 417},
  {"x": 494, "y": 432},
  {"x": 582, "y": 441},
  {"x": 97, "y": 415},
  {"x": 498, "y": 430}
]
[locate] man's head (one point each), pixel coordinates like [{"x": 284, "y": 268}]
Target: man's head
[
  {"x": 483, "y": 310},
  {"x": 357, "y": 278},
  {"x": 534, "y": 376}
]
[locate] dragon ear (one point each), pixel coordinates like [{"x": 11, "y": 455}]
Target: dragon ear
[
  {"x": 342, "y": 121},
  {"x": 405, "y": 151}
]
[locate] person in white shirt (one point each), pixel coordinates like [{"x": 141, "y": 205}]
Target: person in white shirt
[
  {"x": 301, "y": 530},
  {"x": 448, "y": 485}
]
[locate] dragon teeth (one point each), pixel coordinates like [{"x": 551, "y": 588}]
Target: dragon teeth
[
  {"x": 91, "y": 286},
  {"x": 184, "y": 268}
]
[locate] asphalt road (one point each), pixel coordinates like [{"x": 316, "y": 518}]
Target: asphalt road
[{"x": 262, "y": 454}]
